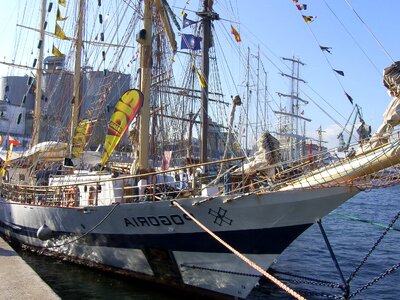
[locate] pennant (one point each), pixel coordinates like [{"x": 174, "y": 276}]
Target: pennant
[
  {"x": 309, "y": 19},
  {"x": 201, "y": 79},
  {"x": 349, "y": 97},
  {"x": 339, "y": 72},
  {"x": 59, "y": 32},
  {"x": 62, "y": 2},
  {"x": 187, "y": 22},
  {"x": 301, "y": 6},
  {"x": 56, "y": 52},
  {"x": 190, "y": 42},
  {"x": 236, "y": 34},
  {"x": 327, "y": 49},
  {"x": 59, "y": 17},
  {"x": 13, "y": 141}
]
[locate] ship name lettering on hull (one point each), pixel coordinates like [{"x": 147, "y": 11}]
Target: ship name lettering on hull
[{"x": 156, "y": 220}]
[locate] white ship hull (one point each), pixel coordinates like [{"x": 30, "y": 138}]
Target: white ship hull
[{"x": 156, "y": 241}]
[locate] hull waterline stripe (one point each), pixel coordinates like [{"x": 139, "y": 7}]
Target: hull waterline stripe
[{"x": 252, "y": 241}]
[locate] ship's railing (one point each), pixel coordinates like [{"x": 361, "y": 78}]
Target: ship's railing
[
  {"x": 128, "y": 188},
  {"x": 147, "y": 186}
]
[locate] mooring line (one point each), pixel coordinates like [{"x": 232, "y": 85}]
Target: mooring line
[
  {"x": 87, "y": 232},
  {"x": 241, "y": 256}
]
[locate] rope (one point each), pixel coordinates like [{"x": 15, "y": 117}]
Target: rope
[
  {"x": 86, "y": 233},
  {"x": 353, "y": 218},
  {"x": 370, "y": 31},
  {"x": 354, "y": 39},
  {"x": 241, "y": 256}
]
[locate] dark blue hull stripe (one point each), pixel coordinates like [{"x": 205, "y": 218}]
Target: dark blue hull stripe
[{"x": 251, "y": 241}]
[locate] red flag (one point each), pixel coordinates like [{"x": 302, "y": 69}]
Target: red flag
[
  {"x": 166, "y": 160},
  {"x": 236, "y": 34},
  {"x": 13, "y": 141}
]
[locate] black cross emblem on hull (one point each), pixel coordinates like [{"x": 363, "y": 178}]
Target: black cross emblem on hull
[{"x": 220, "y": 216}]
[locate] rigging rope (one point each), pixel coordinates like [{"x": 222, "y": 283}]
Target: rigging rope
[
  {"x": 370, "y": 31},
  {"x": 241, "y": 256},
  {"x": 353, "y": 38}
]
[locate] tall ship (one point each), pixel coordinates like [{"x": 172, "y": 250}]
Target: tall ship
[{"x": 165, "y": 193}]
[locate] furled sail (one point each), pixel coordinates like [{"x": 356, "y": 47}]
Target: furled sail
[
  {"x": 126, "y": 109},
  {"x": 267, "y": 155},
  {"x": 391, "y": 117}
]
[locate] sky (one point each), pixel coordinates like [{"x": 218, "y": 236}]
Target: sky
[{"x": 360, "y": 48}]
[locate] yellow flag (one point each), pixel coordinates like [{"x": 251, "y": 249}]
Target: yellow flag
[
  {"x": 201, "y": 79},
  {"x": 59, "y": 17},
  {"x": 56, "y": 52},
  {"x": 8, "y": 157},
  {"x": 60, "y": 33},
  {"x": 309, "y": 19},
  {"x": 62, "y": 2}
]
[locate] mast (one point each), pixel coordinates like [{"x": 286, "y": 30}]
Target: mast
[
  {"x": 247, "y": 98},
  {"x": 257, "y": 89},
  {"x": 266, "y": 101},
  {"x": 39, "y": 76},
  {"x": 206, "y": 20},
  {"x": 76, "y": 98},
  {"x": 293, "y": 115},
  {"x": 236, "y": 102},
  {"x": 145, "y": 37}
]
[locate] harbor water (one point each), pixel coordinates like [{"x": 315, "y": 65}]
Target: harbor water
[{"x": 352, "y": 230}]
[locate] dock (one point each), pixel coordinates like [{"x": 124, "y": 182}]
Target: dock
[{"x": 18, "y": 280}]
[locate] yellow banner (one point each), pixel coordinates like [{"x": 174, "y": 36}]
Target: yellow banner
[
  {"x": 82, "y": 132},
  {"x": 126, "y": 109}
]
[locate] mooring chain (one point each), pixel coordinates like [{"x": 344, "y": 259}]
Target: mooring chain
[
  {"x": 376, "y": 279},
  {"x": 220, "y": 271},
  {"x": 241, "y": 256},
  {"x": 389, "y": 227},
  {"x": 311, "y": 280},
  {"x": 316, "y": 294}
]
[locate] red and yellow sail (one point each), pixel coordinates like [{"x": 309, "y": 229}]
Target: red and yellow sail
[{"x": 126, "y": 109}]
